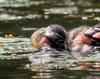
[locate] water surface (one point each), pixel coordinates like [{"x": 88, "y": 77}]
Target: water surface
[{"x": 43, "y": 13}]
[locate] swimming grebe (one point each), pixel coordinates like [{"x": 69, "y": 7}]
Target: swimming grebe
[
  {"x": 53, "y": 36},
  {"x": 83, "y": 39}
]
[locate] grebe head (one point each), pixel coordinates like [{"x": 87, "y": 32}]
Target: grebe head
[
  {"x": 56, "y": 37},
  {"x": 94, "y": 33}
]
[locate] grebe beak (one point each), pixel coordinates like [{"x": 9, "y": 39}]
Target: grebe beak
[{"x": 97, "y": 35}]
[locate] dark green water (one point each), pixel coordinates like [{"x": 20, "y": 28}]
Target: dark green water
[
  {"x": 69, "y": 21},
  {"x": 72, "y": 18},
  {"x": 54, "y": 74}
]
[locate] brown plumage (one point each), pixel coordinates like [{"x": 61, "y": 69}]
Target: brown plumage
[
  {"x": 36, "y": 38},
  {"x": 78, "y": 42}
]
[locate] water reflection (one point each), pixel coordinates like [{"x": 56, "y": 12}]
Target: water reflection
[
  {"x": 46, "y": 74},
  {"x": 49, "y": 65},
  {"x": 14, "y": 74},
  {"x": 64, "y": 74},
  {"x": 56, "y": 68}
]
